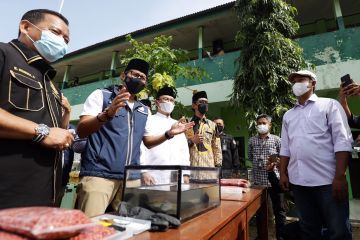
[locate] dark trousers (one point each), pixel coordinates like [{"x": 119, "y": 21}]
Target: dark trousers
[
  {"x": 317, "y": 209},
  {"x": 277, "y": 202}
]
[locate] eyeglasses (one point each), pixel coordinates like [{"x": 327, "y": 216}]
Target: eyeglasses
[
  {"x": 166, "y": 99},
  {"x": 137, "y": 75}
]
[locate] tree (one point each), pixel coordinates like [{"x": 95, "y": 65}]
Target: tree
[
  {"x": 165, "y": 65},
  {"x": 268, "y": 55}
]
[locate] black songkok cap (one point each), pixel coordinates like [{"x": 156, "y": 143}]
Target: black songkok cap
[
  {"x": 166, "y": 91},
  {"x": 198, "y": 95},
  {"x": 138, "y": 64},
  {"x": 146, "y": 102}
]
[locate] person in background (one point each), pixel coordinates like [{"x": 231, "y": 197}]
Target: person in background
[
  {"x": 345, "y": 92},
  {"x": 32, "y": 118},
  {"x": 203, "y": 140},
  {"x": 315, "y": 150},
  {"x": 172, "y": 152},
  {"x": 218, "y": 48},
  {"x": 114, "y": 123},
  {"x": 263, "y": 148},
  {"x": 230, "y": 154}
]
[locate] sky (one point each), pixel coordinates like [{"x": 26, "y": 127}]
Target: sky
[{"x": 93, "y": 21}]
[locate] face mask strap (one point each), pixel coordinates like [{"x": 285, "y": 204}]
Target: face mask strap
[{"x": 34, "y": 25}]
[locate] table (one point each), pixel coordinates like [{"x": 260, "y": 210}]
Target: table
[{"x": 228, "y": 221}]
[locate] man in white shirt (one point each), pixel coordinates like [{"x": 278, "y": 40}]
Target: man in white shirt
[
  {"x": 315, "y": 149},
  {"x": 172, "y": 152}
]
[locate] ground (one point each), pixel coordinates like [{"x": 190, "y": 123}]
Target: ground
[{"x": 355, "y": 227}]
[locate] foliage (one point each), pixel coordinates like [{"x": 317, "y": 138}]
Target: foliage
[
  {"x": 165, "y": 63},
  {"x": 268, "y": 56}
]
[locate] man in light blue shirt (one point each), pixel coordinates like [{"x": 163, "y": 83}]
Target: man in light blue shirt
[{"x": 315, "y": 148}]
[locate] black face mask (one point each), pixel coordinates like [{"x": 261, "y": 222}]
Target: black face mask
[
  {"x": 134, "y": 85},
  {"x": 203, "y": 108},
  {"x": 220, "y": 128}
]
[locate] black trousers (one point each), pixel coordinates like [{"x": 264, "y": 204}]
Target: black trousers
[{"x": 277, "y": 202}]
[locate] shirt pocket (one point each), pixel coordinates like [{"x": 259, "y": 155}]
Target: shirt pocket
[
  {"x": 25, "y": 93},
  {"x": 316, "y": 123}
]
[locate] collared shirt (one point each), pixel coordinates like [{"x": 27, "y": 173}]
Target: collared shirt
[
  {"x": 30, "y": 173},
  {"x": 259, "y": 151},
  {"x": 117, "y": 143},
  {"x": 209, "y": 153},
  {"x": 311, "y": 135},
  {"x": 174, "y": 151}
]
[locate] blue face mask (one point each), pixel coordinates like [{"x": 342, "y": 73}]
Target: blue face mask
[{"x": 50, "y": 46}]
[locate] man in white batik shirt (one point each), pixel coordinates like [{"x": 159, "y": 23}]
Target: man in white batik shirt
[{"x": 172, "y": 152}]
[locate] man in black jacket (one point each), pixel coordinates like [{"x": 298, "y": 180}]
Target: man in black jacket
[
  {"x": 32, "y": 117},
  {"x": 229, "y": 150}
]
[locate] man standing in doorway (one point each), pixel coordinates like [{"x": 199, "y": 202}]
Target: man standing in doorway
[
  {"x": 32, "y": 117},
  {"x": 315, "y": 149},
  {"x": 203, "y": 140},
  {"x": 229, "y": 149},
  {"x": 261, "y": 147}
]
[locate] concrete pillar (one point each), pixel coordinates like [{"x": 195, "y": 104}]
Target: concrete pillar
[
  {"x": 338, "y": 14},
  {"x": 200, "y": 42},
  {"x": 114, "y": 58}
]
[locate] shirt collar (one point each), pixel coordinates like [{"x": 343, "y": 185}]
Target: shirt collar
[
  {"x": 196, "y": 119},
  {"x": 162, "y": 115},
  {"x": 267, "y": 135},
  {"x": 33, "y": 58},
  {"x": 313, "y": 98}
]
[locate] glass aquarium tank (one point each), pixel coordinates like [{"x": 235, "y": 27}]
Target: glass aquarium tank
[{"x": 180, "y": 191}]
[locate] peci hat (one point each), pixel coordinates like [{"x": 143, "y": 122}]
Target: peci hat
[
  {"x": 305, "y": 73},
  {"x": 146, "y": 102},
  {"x": 198, "y": 95},
  {"x": 166, "y": 91},
  {"x": 138, "y": 64}
]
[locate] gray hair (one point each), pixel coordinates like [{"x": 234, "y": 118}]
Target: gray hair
[{"x": 263, "y": 115}]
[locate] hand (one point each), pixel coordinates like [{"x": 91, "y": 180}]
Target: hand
[
  {"x": 357, "y": 140},
  {"x": 118, "y": 102},
  {"x": 148, "y": 179},
  {"x": 58, "y": 139},
  {"x": 270, "y": 166},
  {"x": 352, "y": 90},
  {"x": 340, "y": 188},
  {"x": 65, "y": 104},
  {"x": 179, "y": 127},
  {"x": 284, "y": 181},
  {"x": 197, "y": 138}
]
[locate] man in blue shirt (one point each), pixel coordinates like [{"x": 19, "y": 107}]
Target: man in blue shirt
[{"x": 114, "y": 122}]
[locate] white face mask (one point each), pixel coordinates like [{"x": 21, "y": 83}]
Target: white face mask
[
  {"x": 167, "y": 107},
  {"x": 300, "y": 88},
  {"x": 262, "y": 128}
]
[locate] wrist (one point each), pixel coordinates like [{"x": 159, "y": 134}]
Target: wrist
[
  {"x": 168, "y": 135},
  {"x": 41, "y": 131},
  {"x": 104, "y": 116},
  {"x": 110, "y": 115},
  {"x": 101, "y": 117}
]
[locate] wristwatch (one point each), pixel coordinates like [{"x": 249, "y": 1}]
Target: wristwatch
[
  {"x": 167, "y": 135},
  {"x": 41, "y": 132}
]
